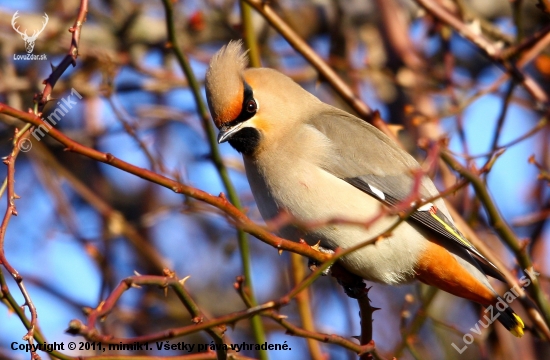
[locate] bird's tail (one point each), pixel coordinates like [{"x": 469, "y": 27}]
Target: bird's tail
[{"x": 512, "y": 322}]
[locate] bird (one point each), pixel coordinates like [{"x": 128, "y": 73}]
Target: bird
[{"x": 316, "y": 162}]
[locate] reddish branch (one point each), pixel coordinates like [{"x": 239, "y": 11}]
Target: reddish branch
[
  {"x": 69, "y": 59},
  {"x": 11, "y": 210},
  {"x": 169, "y": 280},
  {"x": 491, "y": 49},
  {"x": 10, "y": 162},
  {"x": 526, "y": 44},
  {"x": 235, "y": 215},
  {"x": 269, "y": 309}
]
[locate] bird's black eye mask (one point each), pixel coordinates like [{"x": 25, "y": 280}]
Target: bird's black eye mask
[{"x": 248, "y": 108}]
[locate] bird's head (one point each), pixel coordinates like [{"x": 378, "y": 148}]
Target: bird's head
[{"x": 251, "y": 107}]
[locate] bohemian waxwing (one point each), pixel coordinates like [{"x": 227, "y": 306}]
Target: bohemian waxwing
[{"x": 317, "y": 163}]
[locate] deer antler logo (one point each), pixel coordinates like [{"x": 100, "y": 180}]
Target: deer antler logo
[{"x": 29, "y": 40}]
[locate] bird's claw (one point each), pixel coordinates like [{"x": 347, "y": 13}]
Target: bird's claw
[{"x": 312, "y": 264}]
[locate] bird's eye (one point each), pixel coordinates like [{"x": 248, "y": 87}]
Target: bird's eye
[{"x": 251, "y": 106}]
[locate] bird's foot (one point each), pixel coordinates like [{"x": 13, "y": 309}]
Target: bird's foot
[{"x": 312, "y": 264}]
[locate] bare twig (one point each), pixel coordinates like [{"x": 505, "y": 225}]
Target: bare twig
[
  {"x": 502, "y": 116},
  {"x": 69, "y": 59},
  {"x": 11, "y": 210},
  {"x": 492, "y": 50},
  {"x": 539, "y": 126}
]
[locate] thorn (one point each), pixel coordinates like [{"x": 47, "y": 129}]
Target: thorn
[
  {"x": 280, "y": 251},
  {"x": 136, "y": 273},
  {"x": 317, "y": 246},
  {"x": 182, "y": 281},
  {"x": 100, "y": 306},
  {"x": 136, "y": 286},
  {"x": 223, "y": 197}
]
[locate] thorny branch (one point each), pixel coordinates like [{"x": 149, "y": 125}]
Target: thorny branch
[
  {"x": 69, "y": 59},
  {"x": 21, "y": 136},
  {"x": 11, "y": 210}
]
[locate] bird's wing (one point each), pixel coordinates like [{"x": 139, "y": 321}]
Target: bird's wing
[{"x": 373, "y": 163}]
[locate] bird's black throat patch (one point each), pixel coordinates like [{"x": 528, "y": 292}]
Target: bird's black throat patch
[{"x": 246, "y": 140}]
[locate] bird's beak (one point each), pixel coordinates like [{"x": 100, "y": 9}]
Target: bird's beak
[{"x": 227, "y": 132}]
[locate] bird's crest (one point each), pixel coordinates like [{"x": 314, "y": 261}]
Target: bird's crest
[{"x": 224, "y": 82}]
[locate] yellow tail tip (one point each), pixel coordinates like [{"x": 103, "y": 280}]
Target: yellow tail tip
[{"x": 517, "y": 331}]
